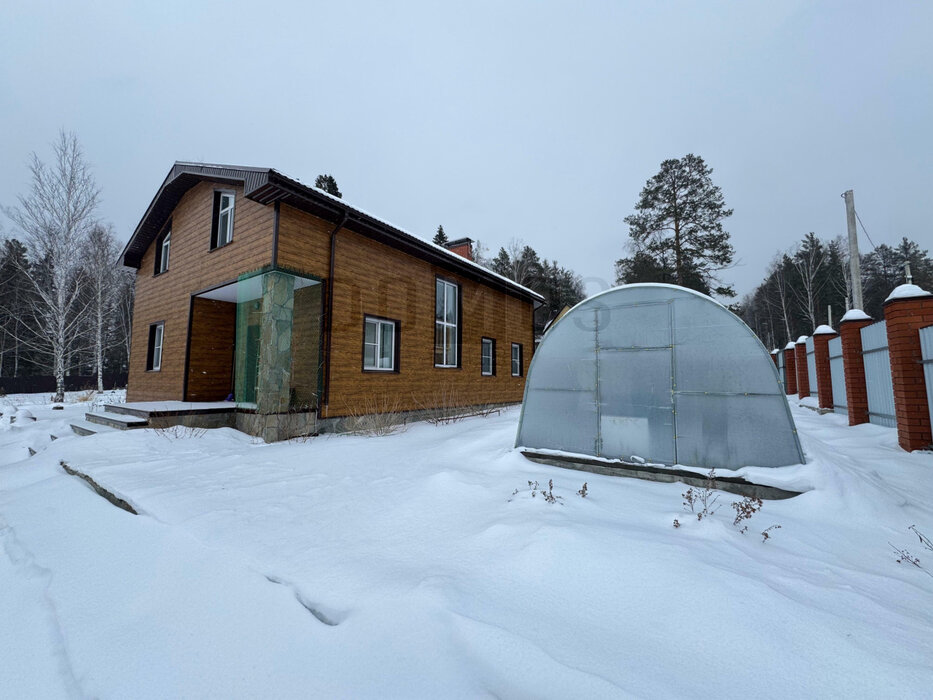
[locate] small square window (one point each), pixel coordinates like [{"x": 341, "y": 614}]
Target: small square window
[
  {"x": 516, "y": 359},
  {"x": 488, "y": 357},
  {"x": 222, "y": 224},
  {"x": 154, "y": 354},
  {"x": 380, "y": 345}
]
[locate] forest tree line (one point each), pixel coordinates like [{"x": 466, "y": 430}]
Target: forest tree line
[{"x": 811, "y": 284}]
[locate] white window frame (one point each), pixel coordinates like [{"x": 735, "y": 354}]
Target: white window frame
[
  {"x": 516, "y": 359},
  {"x": 491, "y": 344},
  {"x": 379, "y": 323},
  {"x": 226, "y": 236},
  {"x": 165, "y": 252},
  {"x": 157, "y": 347},
  {"x": 449, "y": 353}
]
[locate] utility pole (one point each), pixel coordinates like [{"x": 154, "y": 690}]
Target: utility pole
[{"x": 854, "y": 266}]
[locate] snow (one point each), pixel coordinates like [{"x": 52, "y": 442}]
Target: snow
[
  {"x": 907, "y": 291},
  {"x": 855, "y": 315},
  {"x": 790, "y": 346},
  {"x": 420, "y": 565},
  {"x": 177, "y": 406},
  {"x": 824, "y": 330},
  {"x": 801, "y": 339}
]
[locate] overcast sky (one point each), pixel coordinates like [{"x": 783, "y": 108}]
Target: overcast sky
[{"x": 539, "y": 120}]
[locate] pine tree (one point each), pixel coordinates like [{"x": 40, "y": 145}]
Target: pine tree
[
  {"x": 678, "y": 225},
  {"x": 440, "y": 237},
  {"x": 328, "y": 184}
]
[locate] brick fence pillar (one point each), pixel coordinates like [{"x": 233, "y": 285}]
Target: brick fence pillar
[
  {"x": 824, "y": 381},
  {"x": 790, "y": 373},
  {"x": 803, "y": 375},
  {"x": 850, "y": 329},
  {"x": 774, "y": 356},
  {"x": 907, "y": 310}
]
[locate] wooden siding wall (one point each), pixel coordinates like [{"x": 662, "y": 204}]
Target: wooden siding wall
[
  {"x": 306, "y": 346},
  {"x": 210, "y": 364},
  {"x": 373, "y": 279},
  {"x": 193, "y": 266}
]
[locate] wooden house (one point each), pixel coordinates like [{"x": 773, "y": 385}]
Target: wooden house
[{"x": 256, "y": 289}]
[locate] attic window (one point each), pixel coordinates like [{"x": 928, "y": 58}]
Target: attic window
[
  {"x": 222, "y": 225},
  {"x": 163, "y": 249}
]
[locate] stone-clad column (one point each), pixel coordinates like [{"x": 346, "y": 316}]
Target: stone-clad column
[
  {"x": 908, "y": 309},
  {"x": 790, "y": 371},
  {"x": 275, "y": 343},
  {"x": 850, "y": 329},
  {"x": 803, "y": 374},
  {"x": 824, "y": 383}
]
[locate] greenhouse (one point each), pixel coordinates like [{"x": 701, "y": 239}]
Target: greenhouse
[{"x": 654, "y": 373}]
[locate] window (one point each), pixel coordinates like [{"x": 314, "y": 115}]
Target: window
[
  {"x": 516, "y": 359},
  {"x": 154, "y": 355},
  {"x": 162, "y": 252},
  {"x": 380, "y": 344},
  {"x": 488, "y": 357},
  {"x": 222, "y": 227},
  {"x": 446, "y": 320}
]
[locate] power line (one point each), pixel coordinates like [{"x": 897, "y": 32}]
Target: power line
[{"x": 865, "y": 230}]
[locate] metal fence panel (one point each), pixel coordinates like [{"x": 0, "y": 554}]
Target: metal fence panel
[
  {"x": 878, "y": 374},
  {"x": 811, "y": 365},
  {"x": 781, "y": 370},
  {"x": 926, "y": 350},
  {"x": 837, "y": 373}
]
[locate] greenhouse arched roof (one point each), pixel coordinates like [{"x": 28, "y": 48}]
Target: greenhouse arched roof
[{"x": 659, "y": 373}]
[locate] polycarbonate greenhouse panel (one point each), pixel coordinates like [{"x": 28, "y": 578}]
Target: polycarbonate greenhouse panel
[
  {"x": 660, "y": 373},
  {"x": 733, "y": 431}
]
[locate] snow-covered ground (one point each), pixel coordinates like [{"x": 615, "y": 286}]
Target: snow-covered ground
[{"x": 403, "y": 566}]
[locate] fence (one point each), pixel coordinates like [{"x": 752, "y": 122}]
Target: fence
[
  {"x": 781, "y": 370},
  {"x": 46, "y": 384},
  {"x": 811, "y": 365},
  {"x": 837, "y": 372},
  {"x": 926, "y": 353},
  {"x": 878, "y": 374}
]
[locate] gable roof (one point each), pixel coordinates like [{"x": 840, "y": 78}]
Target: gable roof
[{"x": 267, "y": 186}]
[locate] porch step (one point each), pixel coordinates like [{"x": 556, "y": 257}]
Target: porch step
[
  {"x": 120, "y": 421},
  {"x": 125, "y": 410},
  {"x": 83, "y": 428}
]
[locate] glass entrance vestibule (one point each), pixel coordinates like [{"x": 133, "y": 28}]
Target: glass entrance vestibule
[{"x": 257, "y": 341}]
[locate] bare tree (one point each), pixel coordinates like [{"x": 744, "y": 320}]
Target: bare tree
[
  {"x": 100, "y": 267},
  {"x": 781, "y": 301},
  {"x": 123, "y": 313},
  {"x": 808, "y": 261},
  {"x": 55, "y": 218}
]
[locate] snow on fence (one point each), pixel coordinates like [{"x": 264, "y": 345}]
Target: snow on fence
[
  {"x": 878, "y": 374},
  {"x": 926, "y": 353},
  {"x": 811, "y": 365},
  {"x": 837, "y": 372}
]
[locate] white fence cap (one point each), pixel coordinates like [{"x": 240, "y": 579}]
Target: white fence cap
[
  {"x": 907, "y": 291},
  {"x": 855, "y": 315}
]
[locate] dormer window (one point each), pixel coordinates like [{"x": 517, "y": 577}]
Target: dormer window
[
  {"x": 222, "y": 225},
  {"x": 163, "y": 250}
]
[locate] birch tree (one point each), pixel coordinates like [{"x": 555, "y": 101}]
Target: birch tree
[
  {"x": 55, "y": 217},
  {"x": 809, "y": 260},
  {"x": 100, "y": 268}
]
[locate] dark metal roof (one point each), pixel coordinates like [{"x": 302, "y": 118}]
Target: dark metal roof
[{"x": 266, "y": 186}]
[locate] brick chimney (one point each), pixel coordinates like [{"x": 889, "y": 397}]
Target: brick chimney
[{"x": 462, "y": 247}]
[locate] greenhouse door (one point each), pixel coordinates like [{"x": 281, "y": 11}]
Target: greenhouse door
[{"x": 635, "y": 404}]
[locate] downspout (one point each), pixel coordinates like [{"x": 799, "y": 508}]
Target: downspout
[{"x": 328, "y": 316}]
